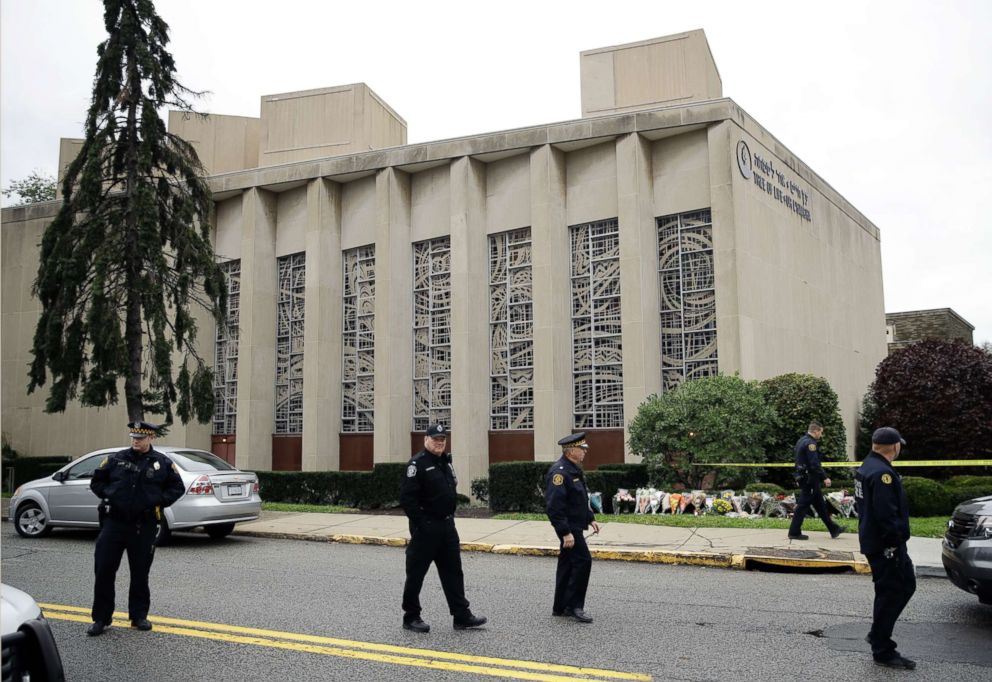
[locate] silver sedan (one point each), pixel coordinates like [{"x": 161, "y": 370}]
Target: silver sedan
[{"x": 217, "y": 496}]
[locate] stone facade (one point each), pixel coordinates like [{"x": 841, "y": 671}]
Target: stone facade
[
  {"x": 519, "y": 283},
  {"x": 906, "y": 328}
]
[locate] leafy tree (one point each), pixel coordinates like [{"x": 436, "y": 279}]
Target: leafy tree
[
  {"x": 32, "y": 189},
  {"x": 129, "y": 251},
  {"x": 938, "y": 393},
  {"x": 704, "y": 421},
  {"x": 799, "y": 399}
]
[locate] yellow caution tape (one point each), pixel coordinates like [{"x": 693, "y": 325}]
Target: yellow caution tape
[{"x": 898, "y": 463}]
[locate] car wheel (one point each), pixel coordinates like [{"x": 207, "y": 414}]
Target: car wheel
[
  {"x": 219, "y": 531},
  {"x": 164, "y": 534},
  {"x": 31, "y": 521}
]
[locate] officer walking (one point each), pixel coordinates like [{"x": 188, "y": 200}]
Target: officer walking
[
  {"x": 135, "y": 485},
  {"x": 428, "y": 496},
  {"x": 810, "y": 476},
  {"x": 568, "y": 509},
  {"x": 883, "y": 529}
]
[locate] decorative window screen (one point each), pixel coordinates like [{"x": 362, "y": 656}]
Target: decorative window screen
[
  {"x": 431, "y": 333},
  {"x": 511, "y": 331},
  {"x": 688, "y": 297},
  {"x": 597, "y": 350},
  {"x": 226, "y": 355},
  {"x": 289, "y": 343},
  {"x": 358, "y": 341}
]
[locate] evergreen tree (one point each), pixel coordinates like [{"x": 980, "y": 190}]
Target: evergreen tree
[{"x": 129, "y": 251}]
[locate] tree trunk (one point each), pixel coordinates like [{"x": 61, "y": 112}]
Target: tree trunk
[{"x": 133, "y": 334}]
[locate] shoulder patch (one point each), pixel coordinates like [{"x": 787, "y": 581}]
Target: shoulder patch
[
  {"x": 411, "y": 470},
  {"x": 886, "y": 479},
  {"x": 103, "y": 462},
  {"x": 557, "y": 479},
  {"x": 175, "y": 468},
  {"x": 812, "y": 446}
]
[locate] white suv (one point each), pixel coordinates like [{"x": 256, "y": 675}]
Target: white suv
[{"x": 29, "y": 651}]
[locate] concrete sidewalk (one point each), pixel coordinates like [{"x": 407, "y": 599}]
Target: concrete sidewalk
[{"x": 719, "y": 547}]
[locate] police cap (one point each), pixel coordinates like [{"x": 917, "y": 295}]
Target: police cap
[
  {"x": 886, "y": 436},
  {"x": 142, "y": 429},
  {"x": 575, "y": 440},
  {"x": 437, "y": 431}
]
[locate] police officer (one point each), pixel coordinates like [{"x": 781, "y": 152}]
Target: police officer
[
  {"x": 134, "y": 485},
  {"x": 883, "y": 529},
  {"x": 568, "y": 509},
  {"x": 428, "y": 496},
  {"x": 810, "y": 476}
]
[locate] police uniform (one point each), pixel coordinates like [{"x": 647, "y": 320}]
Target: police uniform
[
  {"x": 133, "y": 488},
  {"x": 567, "y": 505},
  {"x": 883, "y": 529},
  {"x": 428, "y": 496},
  {"x": 810, "y": 476}
]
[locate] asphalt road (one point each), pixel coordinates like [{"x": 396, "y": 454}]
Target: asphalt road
[{"x": 319, "y": 611}]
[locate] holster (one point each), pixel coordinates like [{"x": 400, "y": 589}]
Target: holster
[{"x": 801, "y": 474}]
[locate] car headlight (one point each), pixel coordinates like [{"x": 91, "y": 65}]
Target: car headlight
[{"x": 983, "y": 527}]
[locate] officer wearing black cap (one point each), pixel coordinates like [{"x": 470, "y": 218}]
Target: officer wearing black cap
[
  {"x": 428, "y": 496},
  {"x": 810, "y": 476},
  {"x": 568, "y": 509},
  {"x": 134, "y": 486},
  {"x": 883, "y": 529}
]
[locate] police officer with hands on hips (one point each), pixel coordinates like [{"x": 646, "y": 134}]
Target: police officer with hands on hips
[
  {"x": 810, "y": 476},
  {"x": 568, "y": 509},
  {"x": 428, "y": 496},
  {"x": 883, "y": 529},
  {"x": 134, "y": 486}
]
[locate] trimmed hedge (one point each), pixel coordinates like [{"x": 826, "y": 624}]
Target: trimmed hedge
[
  {"x": 517, "y": 486},
  {"x": 362, "y": 489},
  {"x": 931, "y": 498}
]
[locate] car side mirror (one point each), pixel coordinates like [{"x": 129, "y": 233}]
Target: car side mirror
[{"x": 59, "y": 476}]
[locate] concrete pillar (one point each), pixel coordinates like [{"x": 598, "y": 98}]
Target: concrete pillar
[
  {"x": 322, "y": 332},
  {"x": 552, "y": 303},
  {"x": 469, "y": 321},
  {"x": 639, "y": 319},
  {"x": 393, "y": 318},
  {"x": 257, "y": 345},
  {"x": 725, "y": 207}
]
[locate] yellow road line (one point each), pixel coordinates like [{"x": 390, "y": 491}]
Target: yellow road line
[{"x": 317, "y": 644}]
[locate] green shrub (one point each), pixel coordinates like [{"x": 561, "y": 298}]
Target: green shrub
[
  {"x": 635, "y": 474},
  {"x": 799, "y": 399},
  {"x": 927, "y": 497},
  {"x": 770, "y": 488},
  {"x": 963, "y": 493},
  {"x": 517, "y": 486},
  {"x": 480, "y": 488},
  {"x": 959, "y": 481}
]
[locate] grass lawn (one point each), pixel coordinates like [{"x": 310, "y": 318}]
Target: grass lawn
[{"x": 923, "y": 526}]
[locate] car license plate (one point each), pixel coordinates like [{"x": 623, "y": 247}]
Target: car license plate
[{"x": 234, "y": 490}]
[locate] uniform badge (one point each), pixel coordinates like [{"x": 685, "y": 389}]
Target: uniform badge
[
  {"x": 157, "y": 466},
  {"x": 411, "y": 471},
  {"x": 812, "y": 446},
  {"x": 557, "y": 479},
  {"x": 886, "y": 479}
]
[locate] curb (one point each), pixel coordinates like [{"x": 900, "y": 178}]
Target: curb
[{"x": 673, "y": 558}]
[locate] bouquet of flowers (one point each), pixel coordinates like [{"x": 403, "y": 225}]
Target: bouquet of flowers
[
  {"x": 623, "y": 501},
  {"x": 722, "y": 506}
]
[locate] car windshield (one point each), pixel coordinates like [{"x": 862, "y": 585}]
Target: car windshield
[{"x": 197, "y": 460}]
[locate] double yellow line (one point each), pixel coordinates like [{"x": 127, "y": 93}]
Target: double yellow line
[{"x": 368, "y": 651}]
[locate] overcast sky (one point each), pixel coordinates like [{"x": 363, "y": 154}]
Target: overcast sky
[{"x": 889, "y": 102}]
